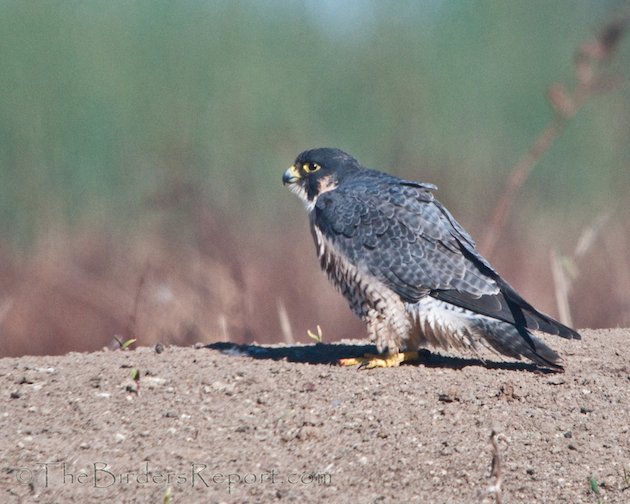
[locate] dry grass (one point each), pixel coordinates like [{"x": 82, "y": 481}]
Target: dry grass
[
  {"x": 81, "y": 291},
  {"x": 86, "y": 288}
]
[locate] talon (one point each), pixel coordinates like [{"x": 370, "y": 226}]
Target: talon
[
  {"x": 351, "y": 361},
  {"x": 371, "y": 361}
]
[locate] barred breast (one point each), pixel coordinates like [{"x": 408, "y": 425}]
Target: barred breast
[{"x": 367, "y": 297}]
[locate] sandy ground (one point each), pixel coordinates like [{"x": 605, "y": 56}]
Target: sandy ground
[{"x": 259, "y": 424}]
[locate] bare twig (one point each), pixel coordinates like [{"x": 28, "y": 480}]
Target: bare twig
[
  {"x": 496, "y": 468},
  {"x": 566, "y": 104},
  {"x": 285, "y": 323},
  {"x": 132, "y": 324},
  {"x": 519, "y": 174},
  {"x": 562, "y": 286},
  {"x": 565, "y": 270}
]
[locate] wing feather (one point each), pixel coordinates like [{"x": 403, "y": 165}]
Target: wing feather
[
  {"x": 401, "y": 235},
  {"x": 396, "y": 231}
]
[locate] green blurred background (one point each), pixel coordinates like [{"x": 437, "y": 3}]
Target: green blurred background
[{"x": 109, "y": 106}]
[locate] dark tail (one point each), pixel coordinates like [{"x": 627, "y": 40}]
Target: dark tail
[
  {"x": 517, "y": 342},
  {"x": 533, "y": 318},
  {"x": 507, "y": 306}
]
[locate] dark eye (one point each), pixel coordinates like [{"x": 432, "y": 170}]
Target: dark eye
[{"x": 310, "y": 167}]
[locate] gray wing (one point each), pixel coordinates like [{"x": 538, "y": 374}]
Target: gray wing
[
  {"x": 401, "y": 235},
  {"x": 396, "y": 230}
]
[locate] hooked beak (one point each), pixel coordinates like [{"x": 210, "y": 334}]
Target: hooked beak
[{"x": 291, "y": 176}]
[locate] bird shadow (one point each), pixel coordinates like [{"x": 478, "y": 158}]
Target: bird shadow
[{"x": 330, "y": 353}]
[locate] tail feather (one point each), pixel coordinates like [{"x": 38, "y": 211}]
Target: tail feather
[
  {"x": 446, "y": 325},
  {"x": 507, "y": 306},
  {"x": 517, "y": 342}
]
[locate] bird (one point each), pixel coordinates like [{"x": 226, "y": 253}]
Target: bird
[{"x": 408, "y": 269}]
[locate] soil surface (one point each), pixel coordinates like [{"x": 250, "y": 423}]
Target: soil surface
[{"x": 230, "y": 423}]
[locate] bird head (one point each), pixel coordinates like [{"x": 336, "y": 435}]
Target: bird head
[{"x": 317, "y": 171}]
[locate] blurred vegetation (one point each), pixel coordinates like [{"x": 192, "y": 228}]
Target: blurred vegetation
[{"x": 107, "y": 103}]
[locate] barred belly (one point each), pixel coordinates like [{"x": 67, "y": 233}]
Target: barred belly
[{"x": 388, "y": 321}]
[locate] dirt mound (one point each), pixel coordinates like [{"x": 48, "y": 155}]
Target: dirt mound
[{"x": 254, "y": 424}]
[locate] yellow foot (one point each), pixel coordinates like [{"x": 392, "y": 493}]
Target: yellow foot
[{"x": 370, "y": 361}]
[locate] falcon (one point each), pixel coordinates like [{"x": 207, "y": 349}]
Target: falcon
[{"x": 408, "y": 269}]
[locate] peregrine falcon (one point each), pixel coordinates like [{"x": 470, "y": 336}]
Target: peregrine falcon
[{"x": 407, "y": 267}]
